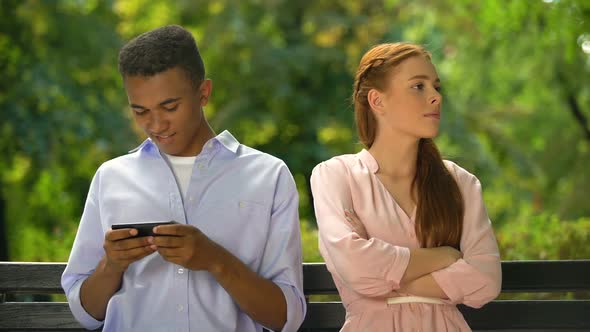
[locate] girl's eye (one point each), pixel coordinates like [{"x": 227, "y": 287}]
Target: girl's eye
[
  {"x": 139, "y": 112},
  {"x": 419, "y": 86},
  {"x": 438, "y": 88},
  {"x": 171, "y": 109}
]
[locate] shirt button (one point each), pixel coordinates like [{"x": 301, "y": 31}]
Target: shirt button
[
  {"x": 200, "y": 166},
  {"x": 179, "y": 307},
  {"x": 180, "y": 271},
  {"x": 242, "y": 204},
  {"x": 191, "y": 199}
]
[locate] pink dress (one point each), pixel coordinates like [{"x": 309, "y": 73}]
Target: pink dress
[{"x": 366, "y": 272}]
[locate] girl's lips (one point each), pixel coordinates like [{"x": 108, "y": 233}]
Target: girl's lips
[{"x": 433, "y": 115}]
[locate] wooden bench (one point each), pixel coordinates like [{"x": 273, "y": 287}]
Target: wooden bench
[{"x": 505, "y": 315}]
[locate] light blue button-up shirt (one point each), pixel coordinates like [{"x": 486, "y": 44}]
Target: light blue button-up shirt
[{"x": 243, "y": 199}]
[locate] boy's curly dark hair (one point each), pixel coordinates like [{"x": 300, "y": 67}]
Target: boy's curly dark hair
[{"x": 161, "y": 49}]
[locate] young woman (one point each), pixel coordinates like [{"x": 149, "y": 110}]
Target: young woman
[{"x": 404, "y": 233}]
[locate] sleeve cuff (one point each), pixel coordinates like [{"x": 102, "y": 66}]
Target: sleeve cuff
[
  {"x": 85, "y": 319},
  {"x": 445, "y": 281},
  {"x": 296, "y": 308},
  {"x": 398, "y": 267}
]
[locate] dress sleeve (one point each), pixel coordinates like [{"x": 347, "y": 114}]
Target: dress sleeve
[
  {"x": 475, "y": 279},
  {"x": 370, "y": 267}
]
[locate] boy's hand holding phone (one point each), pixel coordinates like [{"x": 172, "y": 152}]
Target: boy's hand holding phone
[
  {"x": 187, "y": 246},
  {"x": 123, "y": 247},
  {"x": 180, "y": 244},
  {"x": 127, "y": 243}
]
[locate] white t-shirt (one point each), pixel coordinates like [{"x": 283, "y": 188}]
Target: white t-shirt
[{"x": 182, "y": 167}]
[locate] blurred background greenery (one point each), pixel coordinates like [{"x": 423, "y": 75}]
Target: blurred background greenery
[{"x": 516, "y": 77}]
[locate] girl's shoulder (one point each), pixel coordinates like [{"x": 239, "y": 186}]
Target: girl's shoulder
[
  {"x": 342, "y": 162},
  {"x": 462, "y": 175}
]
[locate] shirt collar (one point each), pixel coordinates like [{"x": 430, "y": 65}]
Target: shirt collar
[
  {"x": 146, "y": 145},
  {"x": 367, "y": 158},
  {"x": 228, "y": 141},
  {"x": 225, "y": 138}
]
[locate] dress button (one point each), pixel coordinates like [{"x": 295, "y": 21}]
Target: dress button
[
  {"x": 180, "y": 271},
  {"x": 179, "y": 307}
]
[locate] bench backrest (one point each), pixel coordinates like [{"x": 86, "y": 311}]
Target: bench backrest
[{"x": 518, "y": 276}]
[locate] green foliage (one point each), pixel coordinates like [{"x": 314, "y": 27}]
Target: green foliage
[
  {"x": 61, "y": 117},
  {"x": 309, "y": 243},
  {"x": 515, "y": 75},
  {"x": 545, "y": 236}
]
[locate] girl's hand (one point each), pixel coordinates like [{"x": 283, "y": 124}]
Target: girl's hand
[{"x": 355, "y": 223}]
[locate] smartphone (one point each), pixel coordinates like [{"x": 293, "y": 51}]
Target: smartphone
[{"x": 144, "y": 229}]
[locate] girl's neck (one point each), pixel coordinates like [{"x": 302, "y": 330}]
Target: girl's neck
[{"x": 396, "y": 155}]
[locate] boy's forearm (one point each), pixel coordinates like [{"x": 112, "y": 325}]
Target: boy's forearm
[
  {"x": 260, "y": 298},
  {"x": 98, "y": 288}
]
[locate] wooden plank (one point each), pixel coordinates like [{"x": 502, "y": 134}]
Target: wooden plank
[
  {"x": 497, "y": 315},
  {"x": 518, "y": 276},
  {"x": 546, "y": 276},
  {"x": 317, "y": 279},
  {"x": 548, "y": 314},
  {"x": 45, "y": 316},
  {"x": 325, "y": 315},
  {"x": 31, "y": 277}
]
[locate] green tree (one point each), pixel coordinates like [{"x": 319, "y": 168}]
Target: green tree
[
  {"x": 61, "y": 117},
  {"x": 515, "y": 76}
]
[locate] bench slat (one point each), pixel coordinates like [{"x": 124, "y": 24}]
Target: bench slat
[
  {"x": 546, "y": 276},
  {"x": 496, "y": 315},
  {"x": 31, "y": 277},
  {"x": 317, "y": 279},
  {"x": 37, "y": 316},
  {"x": 517, "y": 314},
  {"x": 517, "y": 276}
]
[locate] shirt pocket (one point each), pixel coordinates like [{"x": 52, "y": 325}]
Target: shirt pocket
[{"x": 240, "y": 226}]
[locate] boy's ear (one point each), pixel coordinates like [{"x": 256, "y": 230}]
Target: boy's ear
[{"x": 205, "y": 91}]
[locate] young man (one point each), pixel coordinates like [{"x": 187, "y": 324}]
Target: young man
[{"x": 233, "y": 261}]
